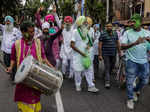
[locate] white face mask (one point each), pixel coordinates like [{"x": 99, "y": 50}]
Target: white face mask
[
  {"x": 67, "y": 27},
  {"x": 84, "y": 30}
]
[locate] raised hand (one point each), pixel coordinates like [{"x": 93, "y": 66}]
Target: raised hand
[{"x": 139, "y": 41}]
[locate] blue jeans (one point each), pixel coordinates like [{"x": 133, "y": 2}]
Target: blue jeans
[{"x": 134, "y": 70}]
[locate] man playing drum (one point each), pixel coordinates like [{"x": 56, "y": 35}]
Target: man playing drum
[{"x": 28, "y": 99}]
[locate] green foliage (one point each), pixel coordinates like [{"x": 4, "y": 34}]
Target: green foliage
[
  {"x": 9, "y": 7},
  {"x": 96, "y": 10},
  {"x": 31, "y": 7},
  {"x": 66, "y": 7}
]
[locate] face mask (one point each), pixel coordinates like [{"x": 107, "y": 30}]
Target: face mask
[
  {"x": 84, "y": 30},
  {"x": 26, "y": 36},
  {"x": 67, "y": 27}
]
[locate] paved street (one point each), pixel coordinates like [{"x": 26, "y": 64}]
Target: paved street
[{"x": 112, "y": 100}]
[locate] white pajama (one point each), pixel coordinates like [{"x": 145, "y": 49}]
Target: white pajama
[
  {"x": 88, "y": 75},
  {"x": 58, "y": 63},
  {"x": 65, "y": 67}
]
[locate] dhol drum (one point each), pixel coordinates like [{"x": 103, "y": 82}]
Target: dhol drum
[{"x": 39, "y": 76}]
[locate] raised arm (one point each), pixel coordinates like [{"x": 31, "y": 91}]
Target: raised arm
[
  {"x": 38, "y": 17},
  {"x": 56, "y": 17}
]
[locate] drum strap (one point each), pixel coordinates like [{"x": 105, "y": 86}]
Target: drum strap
[
  {"x": 38, "y": 49},
  {"x": 18, "y": 51}
]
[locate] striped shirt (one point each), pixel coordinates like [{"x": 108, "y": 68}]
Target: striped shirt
[{"x": 109, "y": 43}]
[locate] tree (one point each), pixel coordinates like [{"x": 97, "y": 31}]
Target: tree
[
  {"x": 31, "y": 7},
  {"x": 9, "y": 7},
  {"x": 65, "y": 7},
  {"x": 96, "y": 10}
]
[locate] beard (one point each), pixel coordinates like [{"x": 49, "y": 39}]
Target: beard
[
  {"x": 45, "y": 36},
  {"x": 9, "y": 28},
  {"x": 84, "y": 31}
]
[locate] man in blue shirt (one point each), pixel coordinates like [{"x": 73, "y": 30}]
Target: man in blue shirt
[
  {"x": 108, "y": 46},
  {"x": 135, "y": 43}
]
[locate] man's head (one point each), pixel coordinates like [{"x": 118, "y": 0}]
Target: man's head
[
  {"x": 27, "y": 29},
  {"x": 83, "y": 24},
  {"x": 136, "y": 21},
  {"x": 68, "y": 22},
  {"x": 45, "y": 27},
  {"x": 9, "y": 23},
  {"x": 109, "y": 27}
]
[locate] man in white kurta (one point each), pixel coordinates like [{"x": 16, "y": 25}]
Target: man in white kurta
[
  {"x": 80, "y": 51},
  {"x": 95, "y": 49},
  {"x": 66, "y": 50},
  {"x": 10, "y": 35}
]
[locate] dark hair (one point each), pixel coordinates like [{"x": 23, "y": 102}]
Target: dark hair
[
  {"x": 108, "y": 23},
  {"x": 25, "y": 25}
]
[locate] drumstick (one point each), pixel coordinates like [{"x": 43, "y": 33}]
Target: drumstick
[{"x": 59, "y": 103}]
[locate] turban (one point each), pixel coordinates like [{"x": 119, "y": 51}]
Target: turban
[
  {"x": 137, "y": 18},
  {"x": 89, "y": 20},
  {"x": 68, "y": 19},
  {"x": 50, "y": 17},
  {"x": 11, "y": 19},
  {"x": 45, "y": 25},
  {"x": 80, "y": 20}
]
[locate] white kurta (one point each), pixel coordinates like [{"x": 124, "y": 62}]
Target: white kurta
[
  {"x": 66, "y": 50},
  {"x": 81, "y": 45},
  {"x": 9, "y": 38},
  {"x": 77, "y": 61},
  {"x": 96, "y": 40}
]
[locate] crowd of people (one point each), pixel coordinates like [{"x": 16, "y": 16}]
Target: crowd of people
[{"x": 76, "y": 47}]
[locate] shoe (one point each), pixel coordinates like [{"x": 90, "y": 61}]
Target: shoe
[
  {"x": 93, "y": 89},
  {"x": 107, "y": 85},
  {"x": 78, "y": 88},
  {"x": 130, "y": 104}
]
